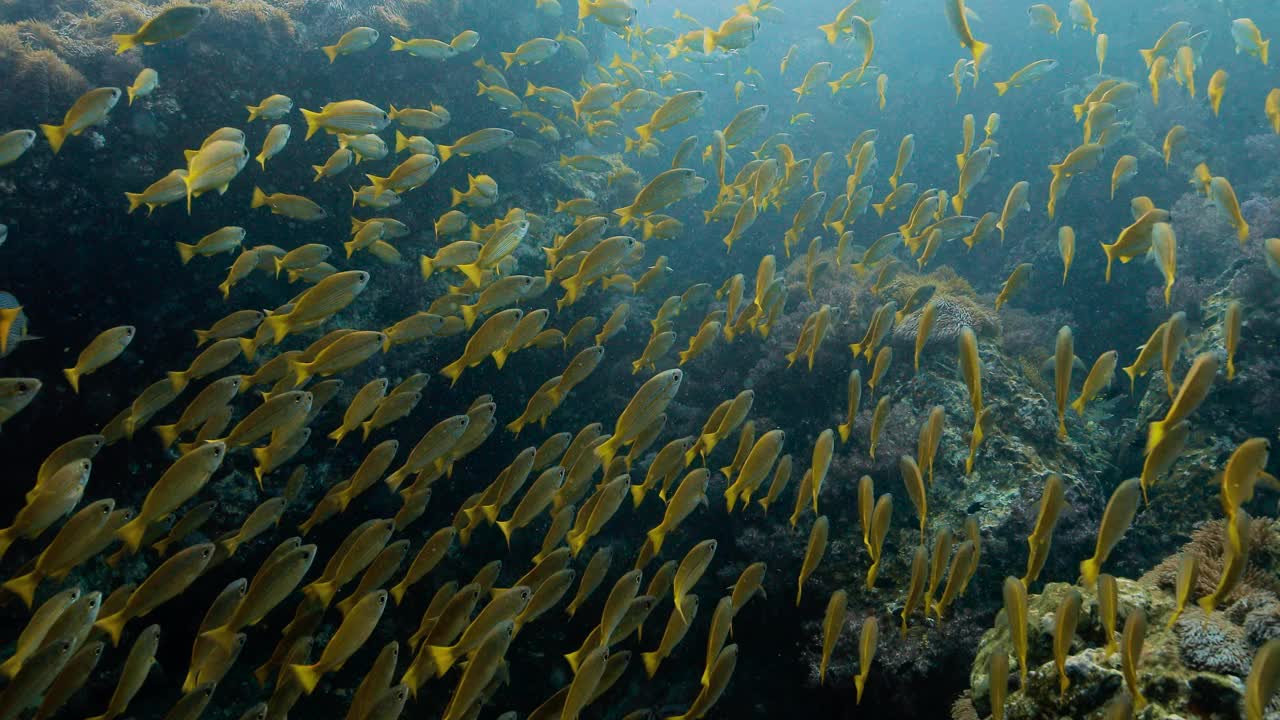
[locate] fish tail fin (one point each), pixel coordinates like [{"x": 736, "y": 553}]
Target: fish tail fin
[
  {"x": 1111, "y": 256},
  {"x": 259, "y": 197},
  {"x": 957, "y": 202},
  {"x": 572, "y": 289},
  {"x": 651, "y": 662},
  {"x": 608, "y": 449},
  {"x": 186, "y": 251},
  {"x": 443, "y": 657},
  {"x": 845, "y": 430},
  {"x": 978, "y": 50},
  {"x": 379, "y": 184},
  {"x": 656, "y": 536},
  {"x": 307, "y": 676},
  {"x": 397, "y": 44},
  {"x": 1001, "y": 88},
  {"x": 1078, "y": 405},
  {"x": 508, "y": 58},
  {"x": 279, "y": 326},
  {"x": 577, "y": 542},
  {"x": 394, "y": 480},
  {"x": 113, "y": 626},
  {"x": 505, "y": 527},
  {"x": 73, "y": 377},
  {"x": 178, "y": 379},
  {"x": 1262, "y": 51},
  {"x": 331, "y": 52},
  {"x": 879, "y": 208},
  {"x": 469, "y": 315},
  {"x": 124, "y": 42},
  {"x": 584, "y": 10},
  {"x": 1132, "y": 372},
  {"x": 455, "y": 197},
  {"x": 1089, "y": 570},
  {"x": 321, "y": 592},
  {"x": 222, "y": 636},
  {"x": 302, "y": 373},
  {"x": 473, "y": 272},
  {"x": 24, "y": 587},
  {"x": 427, "y": 266},
  {"x": 625, "y": 215},
  {"x": 453, "y": 371},
  {"x": 56, "y": 135},
  {"x": 338, "y": 434},
  {"x": 312, "y": 118},
  {"x": 168, "y": 434},
  {"x": 262, "y": 456},
  {"x": 135, "y": 201},
  {"x": 1148, "y": 56},
  {"x": 1155, "y": 433},
  {"x": 831, "y": 32}
]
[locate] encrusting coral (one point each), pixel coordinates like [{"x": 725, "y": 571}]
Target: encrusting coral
[{"x": 1196, "y": 667}]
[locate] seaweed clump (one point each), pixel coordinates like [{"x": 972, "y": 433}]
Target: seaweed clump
[{"x": 36, "y": 76}]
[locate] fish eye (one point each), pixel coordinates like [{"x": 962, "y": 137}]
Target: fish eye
[{"x": 22, "y": 387}]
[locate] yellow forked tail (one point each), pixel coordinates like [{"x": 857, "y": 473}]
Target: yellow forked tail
[
  {"x": 24, "y": 587},
  {"x": 832, "y": 32},
  {"x": 313, "y": 121},
  {"x": 127, "y": 41},
  {"x": 307, "y": 676},
  {"x": 113, "y": 626}
]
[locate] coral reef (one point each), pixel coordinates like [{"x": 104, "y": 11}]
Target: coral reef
[
  {"x": 958, "y": 307},
  {"x": 1194, "y": 667}
]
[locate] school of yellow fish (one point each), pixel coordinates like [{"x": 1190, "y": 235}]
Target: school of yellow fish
[{"x": 578, "y": 479}]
